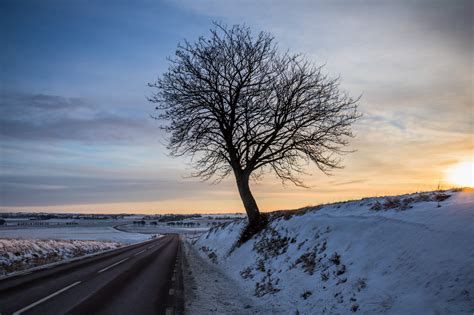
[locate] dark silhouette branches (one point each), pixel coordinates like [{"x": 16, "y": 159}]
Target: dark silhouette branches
[{"x": 236, "y": 105}]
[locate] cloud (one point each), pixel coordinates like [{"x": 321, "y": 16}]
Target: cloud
[
  {"x": 357, "y": 181},
  {"x": 410, "y": 60},
  {"x": 57, "y": 190},
  {"x": 15, "y": 102},
  {"x": 40, "y": 117}
]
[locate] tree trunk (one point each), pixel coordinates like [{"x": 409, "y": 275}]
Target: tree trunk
[{"x": 248, "y": 200}]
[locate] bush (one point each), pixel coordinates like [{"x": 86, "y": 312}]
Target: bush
[
  {"x": 266, "y": 286},
  {"x": 354, "y": 307},
  {"x": 422, "y": 197},
  {"x": 308, "y": 260},
  {"x": 335, "y": 259},
  {"x": 377, "y": 206},
  {"x": 306, "y": 294},
  {"x": 407, "y": 202},
  {"x": 246, "y": 273},
  {"x": 361, "y": 284},
  {"x": 391, "y": 203},
  {"x": 324, "y": 276},
  {"x": 210, "y": 254},
  {"x": 271, "y": 244},
  {"x": 440, "y": 196}
]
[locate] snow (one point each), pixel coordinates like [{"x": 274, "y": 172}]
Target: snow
[
  {"x": 207, "y": 288},
  {"x": 344, "y": 257},
  {"x": 28, "y": 246},
  {"x": 160, "y": 229},
  {"x": 99, "y": 233},
  {"x": 20, "y": 254}
]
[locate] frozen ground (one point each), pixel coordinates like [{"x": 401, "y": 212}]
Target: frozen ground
[
  {"x": 20, "y": 254},
  {"x": 411, "y": 254}
]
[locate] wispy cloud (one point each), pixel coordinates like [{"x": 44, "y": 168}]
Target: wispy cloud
[
  {"x": 60, "y": 190},
  {"x": 41, "y": 117}
]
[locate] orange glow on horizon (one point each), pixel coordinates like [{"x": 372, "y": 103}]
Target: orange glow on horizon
[
  {"x": 461, "y": 174},
  {"x": 268, "y": 198}
]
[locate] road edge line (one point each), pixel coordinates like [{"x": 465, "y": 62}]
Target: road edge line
[{"x": 45, "y": 298}]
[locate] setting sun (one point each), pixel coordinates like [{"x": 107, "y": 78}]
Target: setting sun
[{"x": 461, "y": 174}]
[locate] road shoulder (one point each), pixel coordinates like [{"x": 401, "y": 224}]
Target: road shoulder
[{"x": 209, "y": 291}]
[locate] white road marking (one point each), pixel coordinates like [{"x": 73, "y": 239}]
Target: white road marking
[
  {"x": 139, "y": 252},
  {"x": 46, "y": 298},
  {"x": 169, "y": 311},
  {"x": 111, "y": 266},
  {"x": 171, "y": 292}
]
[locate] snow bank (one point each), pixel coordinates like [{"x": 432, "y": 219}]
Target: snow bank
[
  {"x": 410, "y": 254},
  {"x": 20, "y": 254}
]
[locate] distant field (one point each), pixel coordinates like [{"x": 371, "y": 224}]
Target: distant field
[
  {"x": 104, "y": 233},
  {"x": 116, "y": 230},
  {"x": 161, "y": 229}
]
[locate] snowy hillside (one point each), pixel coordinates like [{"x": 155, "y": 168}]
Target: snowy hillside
[
  {"x": 20, "y": 254},
  {"x": 411, "y": 254}
]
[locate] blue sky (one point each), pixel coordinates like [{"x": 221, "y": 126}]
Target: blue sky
[
  {"x": 75, "y": 127},
  {"x": 70, "y": 46}
]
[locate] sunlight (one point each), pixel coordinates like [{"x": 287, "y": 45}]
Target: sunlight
[{"x": 461, "y": 174}]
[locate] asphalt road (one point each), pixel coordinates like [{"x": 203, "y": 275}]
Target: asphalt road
[{"x": 139, "y": 279}]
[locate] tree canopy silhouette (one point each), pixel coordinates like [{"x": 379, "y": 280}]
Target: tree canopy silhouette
[{"x": 237, "y": 105}]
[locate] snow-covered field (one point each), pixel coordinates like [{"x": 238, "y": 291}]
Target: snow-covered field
[
  {"x": 30, "y": 246},
  {"x": 161, "y": 229},
  {"x": 411, "y": 254},
  {"x": 20, "y": 254},
  {"x": 98, "y": 233}
]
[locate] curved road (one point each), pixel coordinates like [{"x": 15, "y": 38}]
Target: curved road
[{"x": 138, "y": 279}]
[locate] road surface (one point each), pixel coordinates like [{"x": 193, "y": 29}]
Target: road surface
[{"x": 139, "y": 279}]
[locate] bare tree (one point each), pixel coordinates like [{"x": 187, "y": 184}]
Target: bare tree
[{"x": 237, "y": 105}]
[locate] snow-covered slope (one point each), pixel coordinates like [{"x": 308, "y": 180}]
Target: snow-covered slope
[{"x": 411, "y": 254}]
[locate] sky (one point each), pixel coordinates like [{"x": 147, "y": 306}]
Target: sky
[{"x": 75, "y": 128}]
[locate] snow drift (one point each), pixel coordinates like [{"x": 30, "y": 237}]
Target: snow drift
[{"x": 410, "y": 254}]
